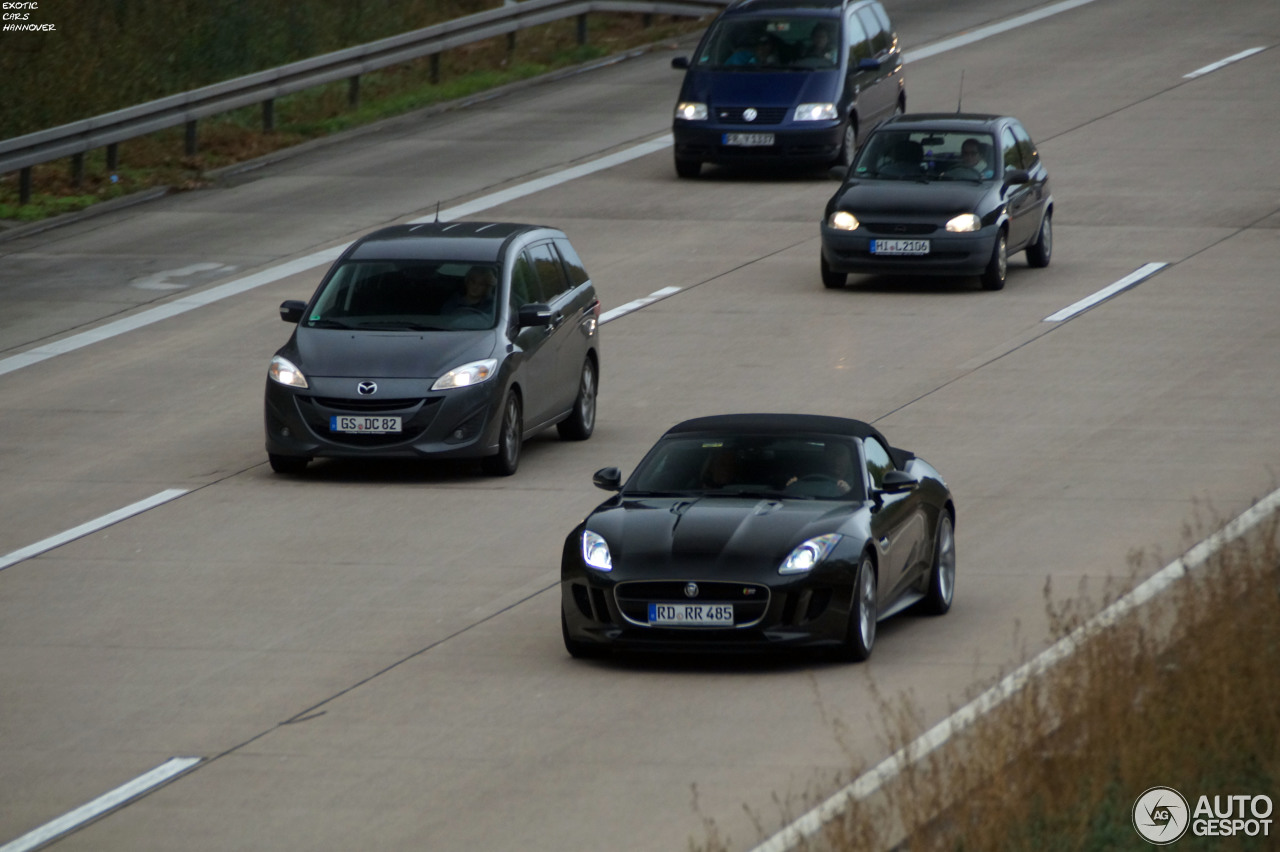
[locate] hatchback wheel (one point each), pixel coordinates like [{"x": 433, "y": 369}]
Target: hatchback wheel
[
  {"x": 582, "y": 420},
  {"x": 510, "y": 437},
  {"x": 998, "y": 267},
  {"x": 831, "y": 279},
  {"x": 1041, "y": 251}
]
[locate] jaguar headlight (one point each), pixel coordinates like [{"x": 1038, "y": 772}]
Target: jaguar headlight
[
  {"x": 964, "y": 223},
  {"x": 283, "y": 371},
  {"x": 809, "y": 554},
  {"x": 468, "y": 374},
  {"x": 843, "y": 220},
  {"x": 595, "y": 551}
]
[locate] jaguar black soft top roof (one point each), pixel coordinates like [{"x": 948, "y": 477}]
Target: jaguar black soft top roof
[{"x": 785, "y": 424}]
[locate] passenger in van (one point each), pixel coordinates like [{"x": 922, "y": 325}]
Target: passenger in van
[
  {"x": 762, "y": 52},
  {"x": 821, "y": 45}
]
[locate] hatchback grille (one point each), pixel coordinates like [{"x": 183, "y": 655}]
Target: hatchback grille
[{"x": 899, "y": 229}]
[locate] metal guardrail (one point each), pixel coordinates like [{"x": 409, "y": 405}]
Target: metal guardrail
[{"x": 106, "y": 131}]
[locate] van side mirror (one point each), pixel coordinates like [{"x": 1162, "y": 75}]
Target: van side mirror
[
  {"x": 680, "y": 62},
  {"x": 838, "y": 173},
  {"x": 291, "y": 310},
  {"x": 868, "y": 64}
]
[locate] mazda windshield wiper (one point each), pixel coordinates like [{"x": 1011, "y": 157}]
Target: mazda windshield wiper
[
  {"x": 327, "y": 323},
  {"x": 389, "y": 325}
]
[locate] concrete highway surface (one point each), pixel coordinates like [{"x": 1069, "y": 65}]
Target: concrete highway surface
[{"x": 369, "y": 656}]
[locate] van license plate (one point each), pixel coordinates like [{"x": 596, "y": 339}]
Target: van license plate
[{"x": 749, "y": 140}]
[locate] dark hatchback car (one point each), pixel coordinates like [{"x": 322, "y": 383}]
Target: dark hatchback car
[
  {"x": 787, "y": 81},
  {"x": 759, "y": 531},
  {"x": 940, "y": 194},
  {"x": 447, "y": 340}
]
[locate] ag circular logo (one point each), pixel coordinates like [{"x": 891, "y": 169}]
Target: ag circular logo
[{"x": 1161, "y": 815}]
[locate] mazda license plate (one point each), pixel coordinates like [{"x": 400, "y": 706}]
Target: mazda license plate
[
  {"x": 899, "y": 246},
  {"x": 691, "y": 615},
  {"x": 749, "y": 140},
  {"x": 364, "y": 424}
]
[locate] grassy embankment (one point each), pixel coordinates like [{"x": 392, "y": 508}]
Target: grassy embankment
[
  {"x": 1183, "y": 692},
  {"x": 108, "y": 56}
]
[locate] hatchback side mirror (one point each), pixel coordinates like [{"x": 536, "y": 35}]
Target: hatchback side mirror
[
  {"x": 291, "y": 310},
  {"x": 608, "y": 478},
  {"x": 838, "y": 173}
]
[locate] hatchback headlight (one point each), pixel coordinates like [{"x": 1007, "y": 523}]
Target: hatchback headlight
[
  {"x": 809, "y": 554},
  {"x": 843, "y": 220},
  {"x": 964, "y": 223},
  {"x": 595, "y": 551},
  {"x": 283, "y": 371},
  {"x": 691, "y": 111},
  {"x": 816, "y": 112},
  {"x": 466, "y": 375}
]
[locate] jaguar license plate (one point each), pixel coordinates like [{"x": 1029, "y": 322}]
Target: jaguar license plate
[
  {"x": 691, "y": 615},
  {"x": 899, "y": 246},
  {"x": 749, "y": 140},
  {"x": 364, "y": 424}
]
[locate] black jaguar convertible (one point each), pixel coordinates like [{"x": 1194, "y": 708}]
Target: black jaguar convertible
[{"x": 755, "y": 531}]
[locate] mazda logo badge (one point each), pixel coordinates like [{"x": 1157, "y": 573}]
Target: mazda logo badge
[
  {"x": 691, "y": 590},
  {"x": 749, "y": 114},
  {"x": 367, "y": 388}
]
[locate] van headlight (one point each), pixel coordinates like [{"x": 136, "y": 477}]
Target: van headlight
[
  {"x": 468, "y": 374},
  {"x": 691, "y": 111},
  {"x": 283, "y": 371},
  {"x": 815, "y": 112}
]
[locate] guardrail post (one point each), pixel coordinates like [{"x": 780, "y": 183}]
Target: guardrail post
[
  {"x": 77, "y": 170},
  {"x": 113, "y": 156},
  {"x": 268, "y": 116},
  {"x": 24, "y": 186},
  {"x": 435, "y": 69},
  {"x": 191, "y": 138},
  {"x": 646, "y": 21},
  {"x": 582, "y": 29},
  {"x": 511, "y": 42},
  {"x": 353, "y": 92}
]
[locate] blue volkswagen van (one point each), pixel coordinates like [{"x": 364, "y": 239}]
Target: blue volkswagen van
[{"x": 787, "y": 81}]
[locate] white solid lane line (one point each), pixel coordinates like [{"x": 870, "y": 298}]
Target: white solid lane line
[
  {"x": 142, "y": 784},
  {"x": 1222, "y": 63},
  {"x": 316, "y": 259},
  {"x": 1131, "y": 280},
  {"x": 89, "y": 527},
  {"x": 637, "y": 304}
]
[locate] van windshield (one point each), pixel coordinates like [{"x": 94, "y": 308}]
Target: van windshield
[
  {"x": 774, "y": 43},
  {"x": 408, "y": 295}
]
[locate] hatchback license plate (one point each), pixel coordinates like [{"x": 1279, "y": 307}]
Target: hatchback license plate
[
  {"x": 899, "y": 246},
  {"x": 364, "y": 424},
  {"x": 749, "y": 140},
  {"x": 696, "y": 615}
]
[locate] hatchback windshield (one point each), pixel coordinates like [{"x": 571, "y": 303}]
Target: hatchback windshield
[
  {"x": 410, "y": 295},
  {"x": 751, "y": 466},
  {"x": 926, "y": 155},
  {"x": 749, "y": 44}
]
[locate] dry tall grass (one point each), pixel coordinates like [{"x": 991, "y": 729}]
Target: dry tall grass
[{"x": 1182, "y": 692}]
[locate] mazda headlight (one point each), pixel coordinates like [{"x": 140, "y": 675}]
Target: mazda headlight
[
  {"x": 843, "y": 220},
  {"x": 283, "y": 371},
  {"x": 809, "y": 554},
  {"x": 466, "y": 375},
  {"x": 964, "y": 223},
  {"x": 595, "y": 551},
  {"x": 816, "y": 112},
  {"x": 691, "y": 111}
]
